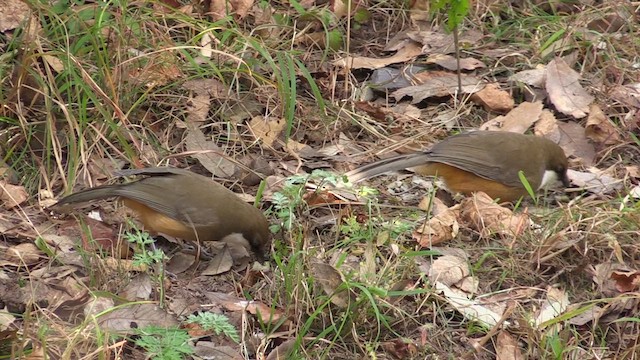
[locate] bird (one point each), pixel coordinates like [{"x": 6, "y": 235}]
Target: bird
[
  {"x": 186, "y": 205},
  {"x": 487, "y": 161}
]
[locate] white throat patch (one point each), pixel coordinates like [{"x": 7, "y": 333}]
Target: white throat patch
[{"x": 549, "y": 178}]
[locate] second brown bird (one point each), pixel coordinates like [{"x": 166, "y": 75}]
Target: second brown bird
[{"x": 487, "y": 161}]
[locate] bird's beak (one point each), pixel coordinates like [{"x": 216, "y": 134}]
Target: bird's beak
[{"x": 565, "y": 180}]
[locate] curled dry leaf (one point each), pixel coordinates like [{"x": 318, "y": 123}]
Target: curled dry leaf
[
  {"x": 517, "y": 120},
  {"x": 547, "y": 126},
  {"x": 408, "y": 52},
  {"x": 210, "y": 155},
  {"x": 439, "y": 228},
  {"x": 12, "y": 195},
  {"x": 626, "y": 281},
  {"x": 25, "y": 254},
  {"x": 599, "y": 128},
  {"x": 453, "y": 271},
  {"x": 492, "y": 98},
  {"x": 483, "y": 215}
]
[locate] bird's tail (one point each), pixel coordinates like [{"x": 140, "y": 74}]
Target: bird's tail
[
  {"x": 100, "y": 192},
  {"x": 395, "y": 163}
]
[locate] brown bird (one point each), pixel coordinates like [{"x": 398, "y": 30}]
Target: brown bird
[
  {"x": 186, "y": 205},
  {"x": 487, "y": 161}
]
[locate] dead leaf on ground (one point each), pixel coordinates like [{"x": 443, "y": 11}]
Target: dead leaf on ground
[
  {"x": 482, "y": 214},
  {"x": 438, "y": 84},
  {"x": 267, "y": 313},
  {"x": 208, "y": 153},
  {"x": 220, "y": 264},
  {"x": 450, "y": 63},
  {"x": 12, "y": 195},
  {"x": 599, "y": 128},
  {"x": 595, "y": 181},
  {"x": 565, "y": 91},
  {"x": 533, "y": 77},
  {"x": 209, "y": 350},
  {"x": 136, "y": 316},
  {"x": 507, "y": 347},
  {"x": 626, "y": 281},
  {"x": 453, "y": 271},
  {"x": 470, "y": 309},
  {"x": 405, "y": 54},
  {"x": 575, "y": 143},
  {"x": 601, "y": 275},
  {"x": 139, "y": 288},
  {"x": 331, "y": 281},
  {"x": 391, "y": 78},
  {"x": 180, "y": 262},
  {"x": 219, "y": 9},
  {"x": 492, "y": 98},
  {"x": 517, "y": 120},
  {"x": 555, "y": 304},
  {"x": 439, "y": 42},
  {"x": 25, "y": 254},
  {"x": 628, "y": 95},
  {"x": 400, "y": 348},
  {"x": 267, "y": 131},
  {"x": 439, "y": 228},
  {"x": 547, "y": 126}
]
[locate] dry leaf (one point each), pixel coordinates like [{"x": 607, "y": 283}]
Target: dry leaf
[
  {"x": 268, "y": 131},
  {"x": 507, "y": 347},
  {"x": 492, "y": 98},
  {"x": 481, "y": 213},
  {"x": 626, "y": 281},
  {"x": 440, "y": 228},
  {"x": 517, "y": 120},
  {"x": 547, "y": 126},
  {"x": 12, "y": 195},
  {"x": 594, "y": 181},
  {"x": 554, "y": 305},
  {"x": 450, "y": 63},
  {"x": 438, "y": 84},
  {"x": 574, "y": 142},
  {"x": 599, "y": 128},
  {"x": 210, "y": 155},
  {"x": 124, "y": 319},
  {"x": 534, "y": 77},
  {"x": 219, "y": 9},
  {"x": 139, "y": 288},
  {"x": 331, "y": 281},
  {"x": 409, "y": 52},
  {"x": 451, "y": 271},
  {"x": 220, "y": 264},
  {"x": 565, "y": 91}
]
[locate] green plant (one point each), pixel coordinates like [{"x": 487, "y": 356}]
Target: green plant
[
  {"x": 215, "y": 322},
  {"x": 287, "y": 201},
  {"x": 147, "y": 257},
  {"x": 164, "y": 344}
]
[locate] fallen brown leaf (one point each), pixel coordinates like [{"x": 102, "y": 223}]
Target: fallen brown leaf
[
  {"x": 517, "y": 120},
  {"x": 599, "y": 128},
  {"x": 492, "y": 98},
  {"x": 565, "y": 91}
]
